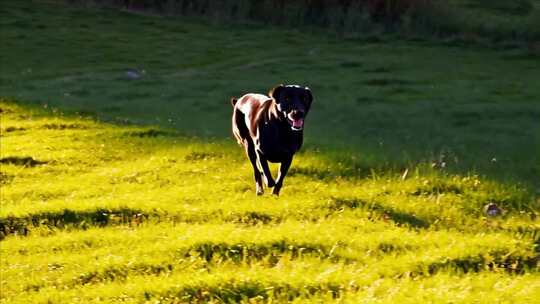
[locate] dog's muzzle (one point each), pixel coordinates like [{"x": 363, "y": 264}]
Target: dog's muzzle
[{"x": 296, "y": 120}]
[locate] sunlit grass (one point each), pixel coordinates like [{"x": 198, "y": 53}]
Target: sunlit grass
[{"x": 93, "y": 212}]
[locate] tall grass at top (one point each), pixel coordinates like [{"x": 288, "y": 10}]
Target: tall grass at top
[{"x": 476, "y": 19}]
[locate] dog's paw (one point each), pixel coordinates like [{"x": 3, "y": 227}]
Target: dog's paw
[{"x": 259, "y": 190}]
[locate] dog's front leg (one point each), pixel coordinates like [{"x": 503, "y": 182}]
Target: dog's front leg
[
  {"x": 283, "y": 168},
  {"x": 263, "y": 163}
]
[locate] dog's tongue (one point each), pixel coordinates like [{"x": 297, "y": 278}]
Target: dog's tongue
[{"x": 298, "y": 123}]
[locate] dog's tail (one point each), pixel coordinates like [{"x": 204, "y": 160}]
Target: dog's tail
[
  {"x": 239, "y": 128},
  {"x": 234, "y": 100}
]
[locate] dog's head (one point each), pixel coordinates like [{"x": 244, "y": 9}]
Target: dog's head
[{"x": 293, "y": 102}]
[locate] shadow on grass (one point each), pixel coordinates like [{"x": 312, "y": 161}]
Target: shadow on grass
[
  {"x": 381, "y": 212},
  {"x": 253, "y": 218},
  {"x": 245, "y": 252},
  {"x": 234, "y": 292},
  {"x": 25, "y": 161},
  {"x": 23, "y": 226},
  {"x": 333, "y": 165},
  {"x": 64, "y": 126},
  {"x": 437, "y": 189},
  {"x": 70, "y": 218},
  {"x": 491, "y": 261},
  {"x": 272, "y": 252},
  {"x": 150, "y": 133}
]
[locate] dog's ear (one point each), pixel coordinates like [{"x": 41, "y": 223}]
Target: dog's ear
[
  {"x": 275, "y": 92},
  {"x": 309, "y": 96}
]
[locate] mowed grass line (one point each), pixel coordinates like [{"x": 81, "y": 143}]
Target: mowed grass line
[{"x": 93, "y": 212}]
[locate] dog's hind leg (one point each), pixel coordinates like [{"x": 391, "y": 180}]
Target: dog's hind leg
[
  {"x": 239, "y": 128},
  {"x": 250, "y": 151},
  {"x": 283, "y": 169},
  {"x": 241, "y": 133}
]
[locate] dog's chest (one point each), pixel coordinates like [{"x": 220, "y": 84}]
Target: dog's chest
[{"x": 278, "y": 142}]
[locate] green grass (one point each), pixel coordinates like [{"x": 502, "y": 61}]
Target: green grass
[{"x": 131, "y": 191}]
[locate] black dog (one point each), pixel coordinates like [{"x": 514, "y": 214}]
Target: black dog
[{"x": 270, "y": 129}]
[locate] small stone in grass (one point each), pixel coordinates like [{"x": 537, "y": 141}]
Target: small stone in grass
[
  {"x": 134, "y": 74},
  {"x": 492, "y": 209}
]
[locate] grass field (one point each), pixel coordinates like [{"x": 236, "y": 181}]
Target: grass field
[{"x": 119, "y": 190}]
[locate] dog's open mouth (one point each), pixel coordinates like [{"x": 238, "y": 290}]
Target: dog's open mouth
[{"x": 297, "y": 124}]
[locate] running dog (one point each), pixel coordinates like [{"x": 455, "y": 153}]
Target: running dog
[{"x": 270, "y": 128}]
